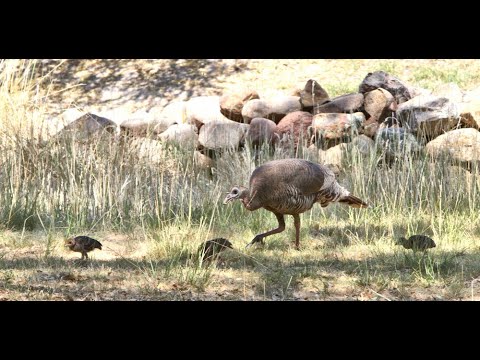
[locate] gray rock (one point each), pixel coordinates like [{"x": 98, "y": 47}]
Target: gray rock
[
  {"x": 428, "y": 116},
  {"x": 381, "y": 79},
  {"x": 222, "y": 135},
  {"x": 262, "y": 131},
  {"x": 348, "y": 103},
  {"x": 397, "y": 142}
]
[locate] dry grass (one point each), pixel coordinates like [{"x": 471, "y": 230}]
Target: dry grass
[{"x": 150, "y": 217}]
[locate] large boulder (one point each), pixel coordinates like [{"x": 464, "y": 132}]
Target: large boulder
[
  {"x": 428, "y": 116},
  {"x": 231, "y": 104},
  {"x": 462, "y": 145},
  {"x": 381, "y": 79}
]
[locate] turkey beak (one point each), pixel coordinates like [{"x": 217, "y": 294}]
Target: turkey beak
[{"x": 228, "y": 198}]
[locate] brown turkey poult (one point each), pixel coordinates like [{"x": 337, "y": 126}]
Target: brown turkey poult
[
  {"x": 83, "y": 244},
  {"x": 211, "y": 248},
  {"x": 291, "y": 187},
  {"x": 417, "y": 242}
]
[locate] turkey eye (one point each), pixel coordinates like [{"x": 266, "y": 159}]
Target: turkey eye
[{"x": 234, "y": 191}]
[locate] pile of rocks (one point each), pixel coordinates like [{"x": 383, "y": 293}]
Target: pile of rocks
[{"x": 383, "y": 113}]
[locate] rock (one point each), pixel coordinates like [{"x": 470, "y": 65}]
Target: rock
[
  {"x": 262, "y": 131},
  {"x": 255, "y": 109},
  {"x": 70, "y": 115},
  {"x": 274, "y": 108},
  {"x": 335, "y": 155},
  {"x": 174, "y": 113},
  {"x": 282, "y": 105},
  {"x": 313, "y": 94},
  {"x": 139, "y": 127},
  {"x": 202, "y": 161},
  {"x": 364, "y": 144},
  {"x": 295, "y": 92},
  {"x": 148, "y": 150},
  {"x": 337, "y": 126},
  {"x": 231, "y": 104},
  {"x": 348, "y": 103},
  {"x": 88, "y": 126},
  {"x": 293, "y": 128},
  {"x": 222, "y": 135},
  {"x": 122, "y": 114},
  {"x": 396, "y": 142},
  {"x": 451, "y": 91},
  {"x": 184, "y": 135},
  {"x": 470, "y": 113},
  {"x": 462, "y": 145},
  {"x": 370, "y": 127},
  {"x": 203, "y": 109},
  {"x": 338, "y": 154},
  {"x": 379, "y": 104},
  {"x": 381, "y": 79},
  {"x": 428, "y": 116},
  {"x": 418, "y": 91}
]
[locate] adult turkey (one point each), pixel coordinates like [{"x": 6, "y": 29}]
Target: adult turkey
[{"x": 291, "y": 187}]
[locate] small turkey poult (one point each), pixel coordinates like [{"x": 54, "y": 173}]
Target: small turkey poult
[
  {"x": 291, "y": 187},
  {"x": 210, "y": 249},
  {"x": 83, "y": 244},
  {"x": 416, "y": 242}
]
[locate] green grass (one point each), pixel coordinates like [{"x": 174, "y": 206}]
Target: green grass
[{"x": 151, "y": 216}]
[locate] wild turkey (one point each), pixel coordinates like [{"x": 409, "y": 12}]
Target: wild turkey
[
  {"x": 290, "y": 187},
  {"x": 83, "y": 244},
  {"x": 417, "y": 242},
  {"x": 211, "y": 248}
]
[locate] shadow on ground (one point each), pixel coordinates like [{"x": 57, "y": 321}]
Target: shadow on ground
[{"x": 114, "y": 82}]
